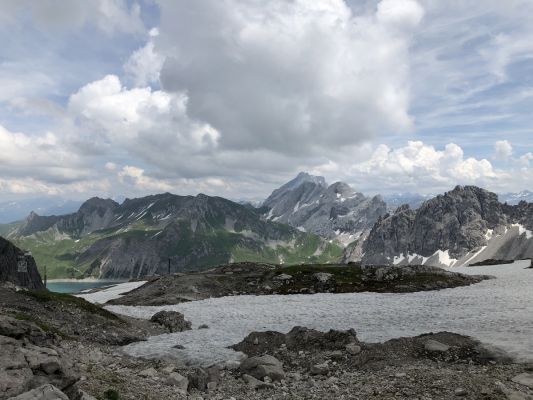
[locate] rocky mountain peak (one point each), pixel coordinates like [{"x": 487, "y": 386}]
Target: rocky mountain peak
[{"x": 98, "y": 204}]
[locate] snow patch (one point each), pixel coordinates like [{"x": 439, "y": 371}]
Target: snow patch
[
  {"x": 522, "y": 230},
  {"x": 113, "y": 292}
]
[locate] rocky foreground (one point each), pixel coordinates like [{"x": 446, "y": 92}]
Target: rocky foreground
[
  {"x": 38, "y": 364},
  {"x": 267, "y": 279}
]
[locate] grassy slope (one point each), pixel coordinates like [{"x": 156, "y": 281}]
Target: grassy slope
[{"x": 59, "y": 255}]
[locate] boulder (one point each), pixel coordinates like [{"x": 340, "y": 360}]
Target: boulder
[
  {"x": 178, "y": 380},
  {"x": 174, "y": 321},
  {"x": 261, "y": 366},
  {"x": 198, "y": 379},
  {"x": 436, "y": 347},
  {"x": 282, "y": 277},
  {"x": 353, "y": 349},
  {"x": 256, "y": 383},
  {"x": 44, "y": 392},
  {"x": 148, "y": 373},
  {"x": 322, "y": 277},
  {"x": 320, "y": 369},
  {"x": 524, "y": 379}
]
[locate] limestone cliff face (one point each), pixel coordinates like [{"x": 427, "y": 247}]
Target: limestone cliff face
[
  {"x": 456, "y": 227},
  {"x": 333, "y": 212},
  {"x": 9, "y": 257}
]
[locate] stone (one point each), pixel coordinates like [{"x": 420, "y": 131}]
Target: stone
[
  {"x": 460, "y": 392},
  {"x": 353, "y": 349},
  {"x": 256, "y": 383},
  {"x": 282, "y": 277},
  {"x": 524, "y": 379},
  {"x": 148, "y": 373},
  {"x": 174, "y": 321},
  {"x": 198, "y": 379},
  {"x": 322, "y": 277},
  {"x": 178, "y": 380},
  {"x": 44, "y": 392},
  {"x": 320, "y": 369},
  {"x": 436, "y": 347},
  {"x": 85, "y": 396},
  {"x": 261, "y": 366},
  {"x": 211, "y": 386},
  {"x": 203, "y": 326}
]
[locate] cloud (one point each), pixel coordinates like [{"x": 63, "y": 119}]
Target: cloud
[
  {"x": 290, "y": 76},
  {"x": 422, "y": 168},
  {"x": 502, "y": 150},
  {"x": 42, "y": 156},
  {"x": 56, "y": 15},
  {"x": 144, "y": 65}
]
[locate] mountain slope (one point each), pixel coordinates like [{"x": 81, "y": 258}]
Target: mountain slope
[
  {"x": 333, "y": 212},
  {"x": 139, "y": 236},
  {"x": 465, "y": 225},
  {"x": 10, "y": 256}
]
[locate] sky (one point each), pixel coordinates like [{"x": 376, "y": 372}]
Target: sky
[{"x": 119, "y": 98}]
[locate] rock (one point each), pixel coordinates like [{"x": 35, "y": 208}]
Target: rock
[
  {"x": 353, "y": 349},
  {"x": 178, "y": 380},
  {"x": 148, "y": 373},
  {"x": 460, "y": 392},
  {"x": 174, "y": 321},
  {"x": 203, "y": 326},
  {"x": 85, "y": 396},
  {"x": 198, "y": 379},
  {"x": 322, "y": 277},
  {"x": 232, "y": 365},
  {"x": 320, "y": 369},
  {"x": 178, "y": 346},
  {"x": 282, "y": 277},
  {"x": 44, "y": 392},
  {"x": 436, "y": 347},
  {"x": 524, "y": 379},
  {"x": 211, "y": 386},
  {"x": 262, "y": 366},
  {"x": 213, "y": 374},
  {"x": 256, "y": 383}
]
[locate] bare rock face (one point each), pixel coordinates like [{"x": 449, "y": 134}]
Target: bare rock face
[
  {"x": 174, "y": 321},
  {"x": 29, "y": 359},
  {"x": 334, "y": 211},
  {"x": 45, "y": 392},
  {"x": 457, "y": 223},
  {"x": 10, "y": 255}
]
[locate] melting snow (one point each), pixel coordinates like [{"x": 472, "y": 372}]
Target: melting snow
[
  {"x": 444, "y": 258},
  {"x": 113, "y": 292},
  {"x": 497, "y": 311},
  {"x": 522, "y": 230}
]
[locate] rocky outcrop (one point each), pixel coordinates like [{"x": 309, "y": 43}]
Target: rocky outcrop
[
  {"x": 30, "y": 359},
  {"x": 267, "y": 279},
  {"x": 464, "y": 225},
  {"x": 10, "y": 257},
  {"x": 333, "y": 212},
  {"x": 172, "y": 320}
]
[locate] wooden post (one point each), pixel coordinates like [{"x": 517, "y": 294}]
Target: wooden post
[
  {"x": 169, "y": 266},
  {"x": 45, "y": 278}
]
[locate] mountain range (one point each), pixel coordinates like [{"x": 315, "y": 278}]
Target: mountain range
[
  {"x": 305, "y": 220},
  {"x": 331, "y": 211},
  {"x": 460, "y": 227},
  {"x": 145, "y": 236}
]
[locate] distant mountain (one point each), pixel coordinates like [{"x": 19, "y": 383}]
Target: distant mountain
[
  {"x": 515, "y": 198},
  {"x": 11, "y": 211},
  {"x": 414, "y": 200},
  {"x": 333, "y": 212},
  {"x": 138, "y": 237},
  {"x": 465, "y": 225},
  {"x": 10, "y": 258}
]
